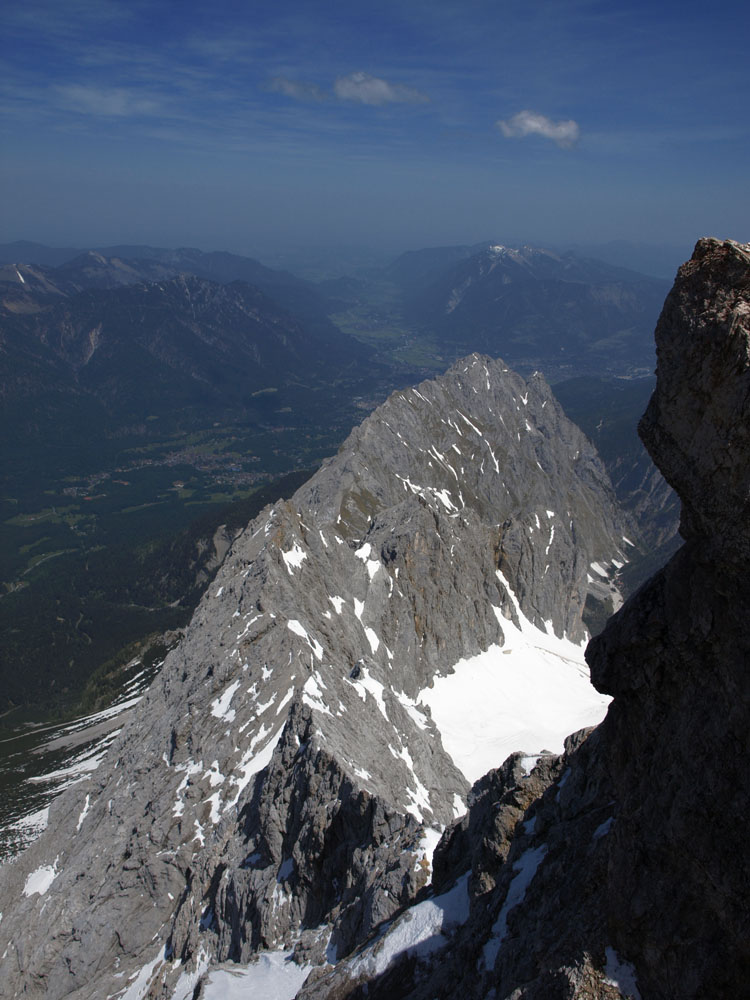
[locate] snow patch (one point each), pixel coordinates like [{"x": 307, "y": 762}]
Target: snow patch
[
  {"x": 220, "y": 706},
  {"x": 214, "y": 775},
  {"x": 190, "y": 768},
  {"x": 299, "y": 629},
  {"x": 525, "y": 869},
  {"x": 253, "y": 762},
  {"x": 83, "y": 764},
  {"x": 372, "y": 638},
  {"x": 138, "y": 989},
  {"x": 529, "y": 763},
  {"x": 272, "y": 976},
  {"x": 551, "y": 537},
  {"x": 186, "y": 984},
  {"x": 374, "y": 687},
  {"x": 285, "y": 700},
  {"x": 445, "y": 499},
  {"x": 294, "y": 558},
  {"x": 294, "y": 626},
  {"x": 41, "y": 879},
  {"x": 429, "y": 841},
  {"x": 285, "y": 870},
  {"x": 415, "y": 713},
  {"x": 83, "y": 815},
  {"x": 363, "y": 553},
  {"x": 528, "y": 694},
  {"x": 33, "y": 824},
  {"x": 473, "y": 426},
  {"x": 312, "y": 695},
  {"x": 420, "y": 931},
  {"x": 621, "y": 974},
  {"x": 603, "y": 829}
]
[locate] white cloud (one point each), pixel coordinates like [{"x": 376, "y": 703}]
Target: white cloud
[
  {"x": 110, "y": 102},
  {"x": 564, "y": 133},
  {"x": 297, "y": 89},
  {"x": 368, "y": 89}
]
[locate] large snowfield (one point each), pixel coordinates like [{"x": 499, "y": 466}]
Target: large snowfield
[{"x": 528, "y": 694}]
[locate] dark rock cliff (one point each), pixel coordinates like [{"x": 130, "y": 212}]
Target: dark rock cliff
[{"x": 676, "y": 659}]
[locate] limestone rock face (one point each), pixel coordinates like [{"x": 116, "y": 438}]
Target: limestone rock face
[
  {"x": 621, "y": 869},
  {"x": 676, "y": 659},
  {"x": 528, "y": 862},
  {"x": 280, "y": 783},
  {"x": 697, "y": 426}
]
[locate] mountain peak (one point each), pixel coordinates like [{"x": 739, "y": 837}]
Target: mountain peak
[{"x": 283, "y": 779}]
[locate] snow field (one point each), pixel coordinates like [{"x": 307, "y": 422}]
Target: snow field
[
  {"x": 273, "y": 977},
  {"x": 528, "y": 694}
]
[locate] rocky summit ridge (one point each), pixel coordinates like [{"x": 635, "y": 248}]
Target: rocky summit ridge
[{"x": 282, "y": 783}]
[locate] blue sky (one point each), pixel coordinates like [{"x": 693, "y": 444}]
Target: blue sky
[{"x": 244, "y": 125}]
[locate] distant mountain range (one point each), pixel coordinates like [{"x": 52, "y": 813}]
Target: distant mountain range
[
  {"x": 533, "y": 306},
  {"x": 105, "y": 342},
  {"x": 559, "y": 311},
  {"x": 176, "y": 343},
  {"x": 67, "y": 271}
]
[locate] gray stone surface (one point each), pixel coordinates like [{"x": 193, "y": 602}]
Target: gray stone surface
[
  {"x": 274, "y": 785},
  {"x": 621, "y": 869},
  {"x": 676, "y": 659}
]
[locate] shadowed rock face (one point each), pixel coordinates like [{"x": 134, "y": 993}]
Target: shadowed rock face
[
  {"x": 676, "y": 659},
  {"x": 697, "y": 425}
]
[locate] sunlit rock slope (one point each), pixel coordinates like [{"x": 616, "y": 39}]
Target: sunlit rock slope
[
  {"x": 283, "y": 782},
  {"x": 620, "y": 869}
]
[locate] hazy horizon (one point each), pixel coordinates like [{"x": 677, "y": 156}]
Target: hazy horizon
[{"x": 391, "y": 128}]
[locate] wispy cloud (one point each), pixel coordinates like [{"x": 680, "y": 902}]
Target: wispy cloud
[
  {"x": 366, "y": 89},
  {"x": 300, "y": 90},
  {"x": 564, "y": 133},
  {"x": 109, "y": 102}
]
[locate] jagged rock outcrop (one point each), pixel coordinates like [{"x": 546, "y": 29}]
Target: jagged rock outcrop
[
  {"x": 282, "y": 780},
  {"x": 626, "y": 870},
  {"x": 676, "y": 661},
  {"x": 530, "y": 858}
]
